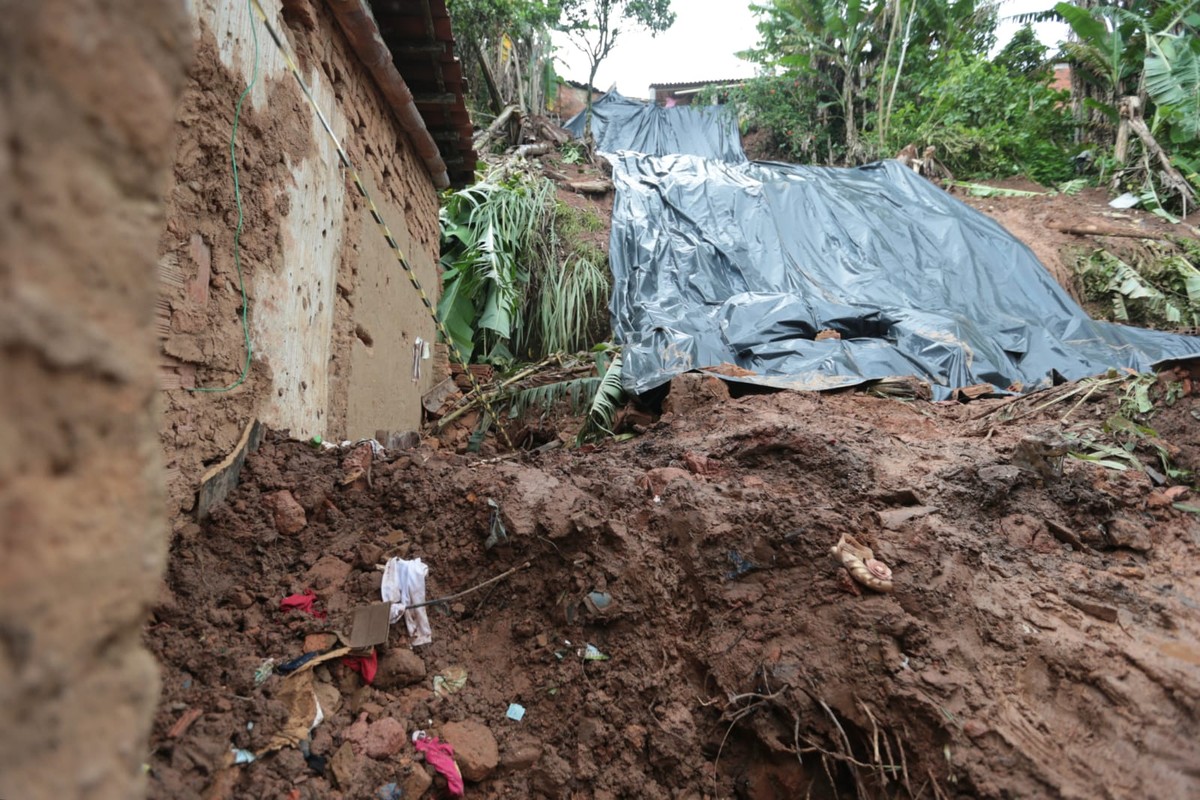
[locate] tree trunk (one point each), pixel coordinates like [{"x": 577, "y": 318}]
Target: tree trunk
[
  {"x": 587, "y": 118},
  {"x": 900, "y": 64},
  {"x": 488, "y": 78},
  {"x": 1131, "y": 112},
  {"x": 504, "y": 119},
  {"x": 881, "y": 121},
  {"x": 848, "y": 112}
]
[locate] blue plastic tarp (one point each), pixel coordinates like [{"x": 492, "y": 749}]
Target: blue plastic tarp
[
  {"x": 743, "y": 263},
  {"x": 623, "y": 123}
]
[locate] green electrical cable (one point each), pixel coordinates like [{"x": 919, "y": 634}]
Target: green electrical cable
[{"x": 237, "y": 195}]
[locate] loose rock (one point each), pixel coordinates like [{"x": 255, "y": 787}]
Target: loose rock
[
  {"x": 521, "y": 755},
  {"x": 383, "y": 738},
  {"x": 1125, "y": 532},
  {"x": 398, "y": 668},
  {"x": 328, "y": 571},
  {"x": 288, "y": 514},
  {"x": 475, "y": 749}
]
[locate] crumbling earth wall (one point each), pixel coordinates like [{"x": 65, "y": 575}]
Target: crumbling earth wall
[
  {"x": 333, "y": 319},
  {"x": 87, "y": 92}
]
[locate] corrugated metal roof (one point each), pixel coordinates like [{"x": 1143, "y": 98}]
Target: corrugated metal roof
[
  {"x": 420, "y": 37},
  {"x": 697, "y": 84}
]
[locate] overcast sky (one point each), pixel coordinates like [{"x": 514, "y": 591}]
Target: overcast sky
[{"x": 706, "y": 34}]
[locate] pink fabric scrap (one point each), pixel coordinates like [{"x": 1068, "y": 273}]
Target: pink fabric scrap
[
  {"x": 302, "y": 602},
  {"x": 441, "y": 756}
]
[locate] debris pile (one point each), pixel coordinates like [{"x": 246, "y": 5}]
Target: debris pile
[{"x": 662, "y": 618}]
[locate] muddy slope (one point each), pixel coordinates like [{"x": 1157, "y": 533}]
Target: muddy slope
[{"x": 743, "y": 663}]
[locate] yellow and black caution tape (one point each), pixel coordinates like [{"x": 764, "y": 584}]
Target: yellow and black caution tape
[{"x": 387, "y": 233}]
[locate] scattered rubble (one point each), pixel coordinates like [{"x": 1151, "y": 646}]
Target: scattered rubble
[{"x": 1020, "y": 603}]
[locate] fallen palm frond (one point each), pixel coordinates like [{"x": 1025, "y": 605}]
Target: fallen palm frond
[
  {"x": 1163, "y": 289},
  {"x": 589, "y": 382},
  {"x": 580, "y": 391},
  {"x": 610, "y": 396}
]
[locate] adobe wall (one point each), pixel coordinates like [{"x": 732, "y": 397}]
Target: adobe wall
[
  {"x": 88, "y": 91},
  {"x": 332, "y": 317}
]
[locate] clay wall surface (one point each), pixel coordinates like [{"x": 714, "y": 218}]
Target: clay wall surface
[
  {"x": 332, "y": 316},
  {"x": 88, "y": 90}
]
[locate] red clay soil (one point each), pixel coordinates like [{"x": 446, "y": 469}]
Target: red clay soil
[{"x": 742, "y": 661}]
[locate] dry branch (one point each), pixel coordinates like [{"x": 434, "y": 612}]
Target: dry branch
[
  {"x": 591, "y": 187},
  {"x": 1082, "y": 228}
]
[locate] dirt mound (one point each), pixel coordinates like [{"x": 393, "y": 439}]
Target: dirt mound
[{"x": 740, "y": 660}]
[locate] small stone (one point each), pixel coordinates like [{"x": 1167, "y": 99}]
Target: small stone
[
  {"x": 368, "y": 555},
  {"x": 475, "y": 749},
  {"x": 381, "y": 739},
  {"x": 398, "y": 668},
  {"x": 521, "y": 755},
  {"x": 655, "y": 481},
  {"x": 385, "y": 738},
  {"x": 417, "y": 783},
  {"x": 974, "y": 728},
  {"x": 552, "y": 775},
  {"x": 1097, "y": 610},
  {"x": 288, "y": 514},
  {"x": 240, "y": 599},
  {"x": 346, "y": 766},
  {"x": 328, "y": 571},
  {"x": 999, "y": 476},
  {"x": 1125, "y": 532},
  {"x": 319, "y": 642}
]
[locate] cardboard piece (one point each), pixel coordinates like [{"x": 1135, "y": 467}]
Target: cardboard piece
[
  {"x": 222, "y": 479},
  {"x": 370, "y": 626},
  {"x": 300, "y": 698},
  {"x": 321, "y": 659}
]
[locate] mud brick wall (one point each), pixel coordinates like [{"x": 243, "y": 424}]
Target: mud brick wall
[
  {"x": 88, "y": 89},
  {"x": 333, "y": 318}
]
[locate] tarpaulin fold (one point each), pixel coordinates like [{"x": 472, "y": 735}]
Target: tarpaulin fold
[
  {"x": 730, "y": 262},
  {"x": 623, "y": 123}
]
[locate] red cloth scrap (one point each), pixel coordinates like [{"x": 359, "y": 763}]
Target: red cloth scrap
[
  {"x": 302, "y": 602},
  {"x": 366, "y": 666}
]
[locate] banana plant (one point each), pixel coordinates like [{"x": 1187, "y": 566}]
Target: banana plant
[{"x": 1173, "y": 82}]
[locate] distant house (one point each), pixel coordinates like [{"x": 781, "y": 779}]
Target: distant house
[
  {"x": 571, "y": 98},
  {"x": 1062, "y": 78},
  {"x": 682, "y": 94}
]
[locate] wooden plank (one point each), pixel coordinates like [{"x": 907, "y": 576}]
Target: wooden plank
[{"x": 219, "y": 481}]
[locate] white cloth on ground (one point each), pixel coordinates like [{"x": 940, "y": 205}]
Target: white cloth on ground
[{"x": 404, "y": 586}]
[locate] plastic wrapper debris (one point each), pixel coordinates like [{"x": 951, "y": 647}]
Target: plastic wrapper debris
[
  {"x": 403, "y": 586},
  {"x": 623, "y": 123},
  {"x": 744, "y": 263}
]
